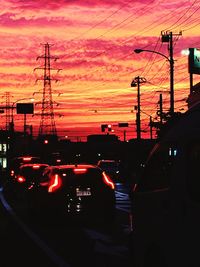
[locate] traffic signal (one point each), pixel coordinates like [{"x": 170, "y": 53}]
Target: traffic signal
[
  {"x": 103, "y": 127},
  {"x": 109, "y": 127}
]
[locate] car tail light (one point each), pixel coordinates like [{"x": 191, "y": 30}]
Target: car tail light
[
  {"x": 27, "y": 158},
  {"x": 21, "y": 179},
  {"x": 80, "y": 170},
  {"x": 30, "y": 187},
  {"x": 36, "y": 166},
  {"x": 46, "y": 183},
  {"x": 55, "y": 183},
  {"x": 108, "y": 181}
]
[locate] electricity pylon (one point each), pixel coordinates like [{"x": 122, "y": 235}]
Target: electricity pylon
[{"x": 47, "y": 121}]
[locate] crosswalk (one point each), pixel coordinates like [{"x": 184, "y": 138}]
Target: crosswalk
[{"x": 123, "y": 201}]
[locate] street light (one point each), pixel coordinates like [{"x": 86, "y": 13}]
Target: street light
[
  {"x": 136, "y": 83},
  {"x": 171, "y": 62},
  {"x": 137, "y": 51},
  {"x": 12, "y": 114}
]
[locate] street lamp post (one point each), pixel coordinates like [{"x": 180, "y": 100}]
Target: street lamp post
[
  {"x": 136, "y": 83},
  {"x": 171, "y": 62}
]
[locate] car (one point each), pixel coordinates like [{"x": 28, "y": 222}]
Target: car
[
  {"x": 111, "y": 168},
  {"x": 75, "y": 190},
  {"x": 24, "y": 179},
  {"x": 16, "y": 162},
  {"x": 165, "y": 202}
]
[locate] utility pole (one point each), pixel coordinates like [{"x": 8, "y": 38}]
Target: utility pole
[
  {"x": 171, "y": 73},
  {"x": 151, "y": 128},
  {"x": 167, "y": 37},
  {"x": 161, "y": 109},
  {"x": 124, "y": 135},
  {"x": 136, "y": 82}
]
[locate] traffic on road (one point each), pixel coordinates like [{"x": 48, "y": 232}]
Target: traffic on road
[{"x": 37, "y": 239}]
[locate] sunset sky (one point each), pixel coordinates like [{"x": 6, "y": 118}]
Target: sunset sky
[{"x": 94, "y": 42}]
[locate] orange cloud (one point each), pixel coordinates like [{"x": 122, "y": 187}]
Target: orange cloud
[{"x": 95, "y": 42}]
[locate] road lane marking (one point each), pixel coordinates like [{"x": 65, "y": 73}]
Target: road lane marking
[{"x": 123, "y": 202}]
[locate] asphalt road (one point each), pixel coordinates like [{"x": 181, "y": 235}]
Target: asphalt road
[{"x": 31, "y": 242}]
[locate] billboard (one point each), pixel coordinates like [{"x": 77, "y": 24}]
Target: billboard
[
  {"x": 194, "y": 60},
  {"x": 25, "y": 108}
]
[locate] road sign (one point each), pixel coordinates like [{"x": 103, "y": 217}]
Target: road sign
[{"x": 123, "y": 124}]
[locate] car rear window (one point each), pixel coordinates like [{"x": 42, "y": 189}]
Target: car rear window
[
  {"x": 30, "y": 171},
  {"x": 90, "y": 175}
]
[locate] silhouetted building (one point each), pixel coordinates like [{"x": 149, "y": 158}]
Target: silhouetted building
[
  {"x": 102, "y": 138},
  {"x": 194, "y": 96}
]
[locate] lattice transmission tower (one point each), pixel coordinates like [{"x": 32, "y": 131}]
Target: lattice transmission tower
[
  {"x": 8, "y": 108},
  {"x": 47, "y": 121}
]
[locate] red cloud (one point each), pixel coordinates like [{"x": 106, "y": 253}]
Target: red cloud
[{"x": 56, "y": 4}]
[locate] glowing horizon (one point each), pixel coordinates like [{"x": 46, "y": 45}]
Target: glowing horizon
[{"x": 94, "y": 43}]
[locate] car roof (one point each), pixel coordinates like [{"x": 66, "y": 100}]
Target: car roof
[
  {"x": 34, "y": 164},
  {"x": 27, "y": 156},
  {"x": 72, "y": 166},
  {"x": 107, "y": 160}
]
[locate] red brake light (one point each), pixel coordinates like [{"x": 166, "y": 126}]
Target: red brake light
[
  {"x": 80, "y": 170},
  {"x": 27, "y": 158},
  {"x": 21, "y": 179},
  {"x": 36, "y": 166},
  {"x": 55, "y": 183},
  {"x": 44, "y": 183},
  {"x": 108, "y": 181}
]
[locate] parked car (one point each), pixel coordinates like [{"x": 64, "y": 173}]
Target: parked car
[
  {"x": 75, "y": 190},
  {"x": 166, "y": 199},
  {"x": 111, "y": 168}
]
